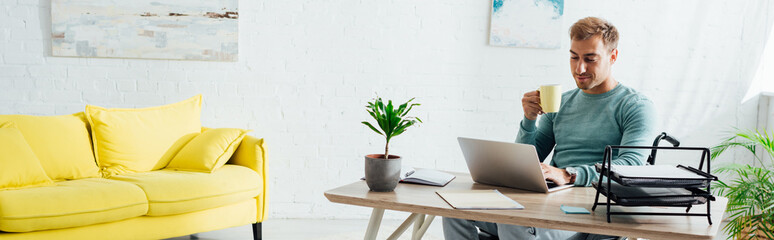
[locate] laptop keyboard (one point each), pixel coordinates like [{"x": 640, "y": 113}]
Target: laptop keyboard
[{"x": 551, "y": 184}]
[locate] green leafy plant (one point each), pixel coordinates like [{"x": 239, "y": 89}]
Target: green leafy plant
[
  {"x": 751, "y": 194},
  {"x": 392, "y": 121}
]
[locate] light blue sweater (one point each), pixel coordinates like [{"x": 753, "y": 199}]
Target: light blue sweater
[{"x": 586, "y": 123}]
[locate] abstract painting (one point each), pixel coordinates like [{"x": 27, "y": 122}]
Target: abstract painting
[
  {"x": 153, "y": 29},
  {"x": 527, "y": 23}
]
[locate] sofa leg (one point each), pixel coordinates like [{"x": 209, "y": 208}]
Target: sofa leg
[{"x": 257, "y": 231}]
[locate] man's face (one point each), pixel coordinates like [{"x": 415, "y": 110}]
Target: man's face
[{"x": 590, "y": 64}]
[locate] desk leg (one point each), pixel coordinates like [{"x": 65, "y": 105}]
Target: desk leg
[
  {"x": 417, "y": 225},
  {"x": 402, "y": 228},
  {"x": 421, "y": 225},
  {"x": 373, "y": 224}
]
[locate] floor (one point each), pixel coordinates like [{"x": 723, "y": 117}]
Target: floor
[
  {"x": 322, "y": 229},
  {"x": 315, "y": 229}
]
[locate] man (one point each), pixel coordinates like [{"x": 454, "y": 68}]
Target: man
[{"x": 600, "y": 112}]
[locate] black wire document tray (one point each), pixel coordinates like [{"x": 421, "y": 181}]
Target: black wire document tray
[
  {"x": 664, "y": 176},
  {"x": 669, "y": 197},
  {"x": 655, "y": 185}
]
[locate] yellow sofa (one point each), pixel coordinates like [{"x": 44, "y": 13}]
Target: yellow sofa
[{"x": 143, "y": 205}]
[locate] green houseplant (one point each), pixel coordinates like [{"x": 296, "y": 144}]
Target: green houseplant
[
  {"x": 751, "y": 194},
  {"x": 383, "y": 170}
]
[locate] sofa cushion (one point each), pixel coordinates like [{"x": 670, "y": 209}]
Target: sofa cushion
[
  {"x": 144, "y": 139},
  {"x": 174, "y": 192},
  {"x": 61, "y": 143},
  {"x": 208, "y": 151},
  {"x": 19, "y": 168},
  {"x": 70, "y": 204}
]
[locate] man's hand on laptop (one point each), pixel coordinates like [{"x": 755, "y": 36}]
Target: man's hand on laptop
[{"x": 557, "y": 175}]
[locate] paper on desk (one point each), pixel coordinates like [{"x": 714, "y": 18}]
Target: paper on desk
[
  {"x": 655, "y": 171},
  {"x": 478, "y": 199}
]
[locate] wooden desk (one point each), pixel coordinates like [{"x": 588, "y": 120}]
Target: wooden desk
[{"x": 541, "y": 210}]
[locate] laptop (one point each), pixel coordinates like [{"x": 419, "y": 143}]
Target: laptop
[{"x": 506, "y": 164}]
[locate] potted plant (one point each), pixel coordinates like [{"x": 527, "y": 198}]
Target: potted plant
[
  {"x": 751, "y": 194},
  {"x": 382, "y": 171}
]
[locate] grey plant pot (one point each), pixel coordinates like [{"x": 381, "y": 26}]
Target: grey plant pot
[{"x": 382, "y": 175}]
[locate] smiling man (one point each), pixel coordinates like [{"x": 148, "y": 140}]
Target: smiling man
[{"x": 600, "y": 112}]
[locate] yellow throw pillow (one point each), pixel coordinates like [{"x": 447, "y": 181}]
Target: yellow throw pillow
[
  {"x": 144, "y": 139},
  {"x": 61, "y": 143},
  {"x": 208, "y": 151},
  {"x": 19, "y": 167}
]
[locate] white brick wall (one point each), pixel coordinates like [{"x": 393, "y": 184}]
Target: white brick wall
[{"x": 306, "y": 68}]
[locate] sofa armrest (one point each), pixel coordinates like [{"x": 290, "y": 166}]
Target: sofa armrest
[{"x": 251, "y": 153}]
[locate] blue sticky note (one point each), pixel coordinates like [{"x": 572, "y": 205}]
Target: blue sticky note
[{"x": 574, "y": 210}]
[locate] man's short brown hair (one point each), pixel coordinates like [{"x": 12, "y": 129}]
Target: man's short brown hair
[{"x": 591, "y": 26}]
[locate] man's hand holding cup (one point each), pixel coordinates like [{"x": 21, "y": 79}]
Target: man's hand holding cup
[{"x": 547, "y": 99}]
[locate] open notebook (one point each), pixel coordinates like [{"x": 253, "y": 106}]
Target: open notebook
[{"x": 427, "y": 177}]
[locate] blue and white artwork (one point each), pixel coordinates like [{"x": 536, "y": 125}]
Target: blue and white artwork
[
  {"x": 155, "y": 29},
  {"x": 527, "y": 23}
]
